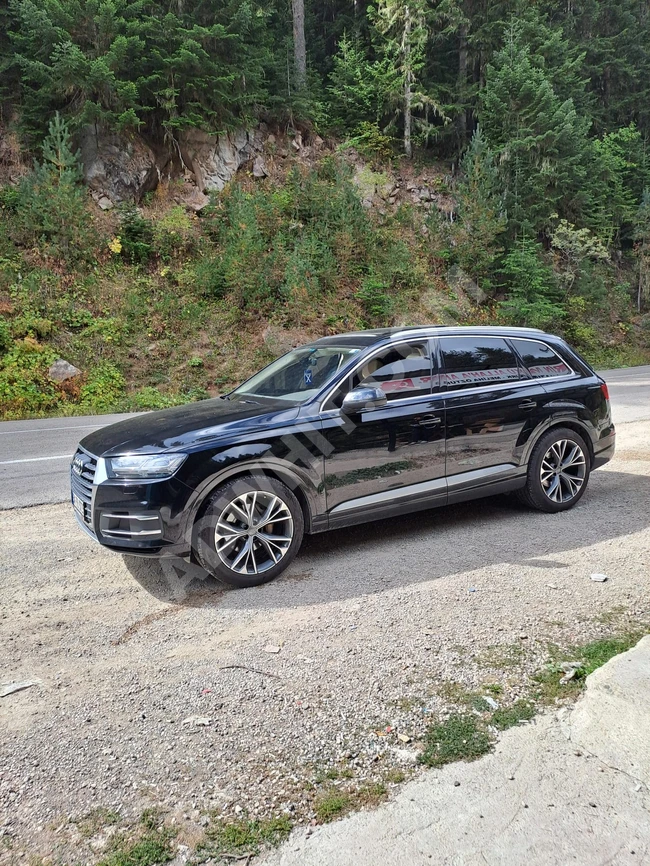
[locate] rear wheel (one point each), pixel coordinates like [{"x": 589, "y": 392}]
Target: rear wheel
[
  {"x": 250, "y": 531},
  {"x": 558, "y": 471}
]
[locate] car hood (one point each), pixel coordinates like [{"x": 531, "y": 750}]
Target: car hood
[{"x": 188, "y": 427}]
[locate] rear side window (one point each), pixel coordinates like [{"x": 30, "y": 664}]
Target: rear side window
[
  {"x": 473, "y": 361},
  {"x": 540, "y": 360}
]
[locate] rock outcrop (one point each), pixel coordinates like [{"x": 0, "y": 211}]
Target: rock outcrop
[
  {"x": 116, "y": 168},
  {"x": 215, "y": 159}
]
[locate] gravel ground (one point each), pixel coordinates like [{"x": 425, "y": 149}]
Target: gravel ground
[{"x": 160, "y": 688}]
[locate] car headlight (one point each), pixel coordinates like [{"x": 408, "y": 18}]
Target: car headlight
[{"x": 146, "y": 465}]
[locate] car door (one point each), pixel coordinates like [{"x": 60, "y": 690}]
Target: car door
[
  {"x": 381, "y": 457},
  {"x": 490, "y": 408}
]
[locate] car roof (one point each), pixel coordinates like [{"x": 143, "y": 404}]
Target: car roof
[{"x": 381, "y": 335}]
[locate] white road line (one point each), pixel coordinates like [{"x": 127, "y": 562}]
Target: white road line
[
  {"x": 47, "y": 429},
  {"x": 36, "y": 459}
]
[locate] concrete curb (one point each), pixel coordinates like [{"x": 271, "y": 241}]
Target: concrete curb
[{"x": 568, "y": 788}]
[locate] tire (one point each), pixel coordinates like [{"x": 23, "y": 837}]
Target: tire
[
  {"x": 549, "y": 489},
  {"x": 229, "y": 551}
]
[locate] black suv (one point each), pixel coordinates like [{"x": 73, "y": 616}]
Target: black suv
[{"x": 347, "y": 429}]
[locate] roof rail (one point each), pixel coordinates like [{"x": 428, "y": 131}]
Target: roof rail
[{"x": 463, "y": 330}]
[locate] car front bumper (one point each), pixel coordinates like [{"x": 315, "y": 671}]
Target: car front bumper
[{"x": 147, "y": 518}]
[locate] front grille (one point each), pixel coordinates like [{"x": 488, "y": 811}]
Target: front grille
[{"x": 82, "y": 476}]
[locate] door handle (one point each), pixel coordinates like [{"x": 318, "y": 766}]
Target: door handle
[
  {"x": 430, "y": 420},
  {"x": 528, "y": 404}
]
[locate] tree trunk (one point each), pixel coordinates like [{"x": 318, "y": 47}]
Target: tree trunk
[
  {"x": 462, "y": 85},
  {"x": 408, "y": 80},
  {"x": 299, "y": 47}
]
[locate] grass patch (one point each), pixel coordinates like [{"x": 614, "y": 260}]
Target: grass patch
[
  {"x": 610, "y": 616},
  {"x": 479, "y": 704},
  {"x": 464, "y": 736},
  {"x": 96, "y": 820},
  {"x": 460, "y": 738},
  {"x": 508, "y": 717},
  {"x": 493, "y": 688},
  {"x": 332, "y": 773},
  {"x": 372, "y": 794},
  {"x": 153, "y": 848},
  {"x": 599, "y": 652},
  {"x": 243, "y": 837},
  {"x": 456, "y": 693},
  {"x": 334, "y": 803},
  {"x": 548, "y": 686},
  {"x": 331, "y": 805},
  {"x": 549, "y": 690},
  {"x": 501, "y": 656},
  {"x": 395, "y": 777}
]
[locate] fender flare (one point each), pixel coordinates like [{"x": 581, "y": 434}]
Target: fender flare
[
  {"x": 572, "y": 421},
  {"x": 301, "y": 485}
]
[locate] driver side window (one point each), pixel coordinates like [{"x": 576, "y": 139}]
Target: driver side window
[{"x": 401, "y": 371}]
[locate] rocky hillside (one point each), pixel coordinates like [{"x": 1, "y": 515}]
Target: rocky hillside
[{"x": 170, "y": 276}]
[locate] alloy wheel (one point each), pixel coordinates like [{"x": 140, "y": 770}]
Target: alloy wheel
[
  {"x": 563, "y": 470},
  {"x": 254, "y": 532}
]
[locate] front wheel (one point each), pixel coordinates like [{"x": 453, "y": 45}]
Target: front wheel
[
  {"x": 558, "y": 471},
  {"x": 250, "y": 531}
]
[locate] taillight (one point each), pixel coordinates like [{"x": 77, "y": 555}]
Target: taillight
[{"x": 605, "y": 390}]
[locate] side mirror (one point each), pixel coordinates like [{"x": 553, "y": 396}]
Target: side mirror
[{"x": 363, "y": 398}]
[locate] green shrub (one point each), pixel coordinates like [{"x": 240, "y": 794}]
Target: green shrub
[
  {"x": 290, "y": 245},
  {"x": 376, "y": 303},
  {"x": 136, "y": 235},
  {"x": 173, "y": 235},
  {"x": 206, "y": 276},
  {"x": 372, "y": 143},
  {"x": 149, "y": 398},
  {"x": 25, "y": 387},
  {"x": 104, "y": 388},
  {"x": 5, "y": 336},
  {"x": 74, "y": 316},
  {"x": 9, "y": 198},
  {"x": 533, "y": 299},
  {"x": 30, "y": 325},
  {"x": 193, "y": 395}
]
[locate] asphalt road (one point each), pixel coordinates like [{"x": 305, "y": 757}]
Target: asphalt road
[{"x": 35, "y": 455}]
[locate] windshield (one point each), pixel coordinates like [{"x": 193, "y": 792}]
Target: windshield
[{"x": 299, "y": 375}]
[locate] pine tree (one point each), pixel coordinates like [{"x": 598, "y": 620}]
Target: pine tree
[
  {"x": 539, "y": 140},
  {"x": 129, "y": 64},
  {"x": 403, "y": 23},
  {"x": 619, "y": 174},
  {"x": 615, "y": 36},
  {"x": 481, "y": 221},
  {"x": 358, "y": 87},
  {"x": 51, "y": 212}
]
